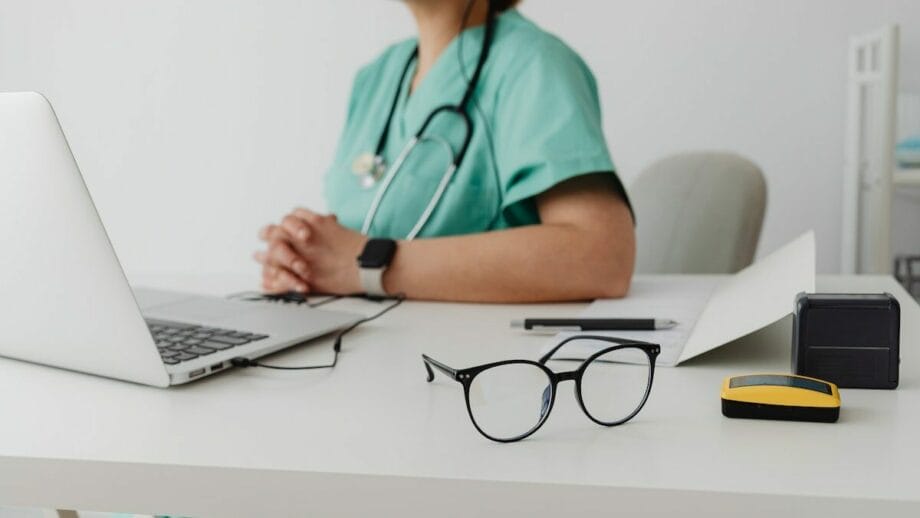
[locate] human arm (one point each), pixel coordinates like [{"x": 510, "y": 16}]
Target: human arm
[{"x": 583, "y": 248}]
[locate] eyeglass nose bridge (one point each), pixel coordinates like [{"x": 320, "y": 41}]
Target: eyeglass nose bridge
[{"x": 566, "y": 376}]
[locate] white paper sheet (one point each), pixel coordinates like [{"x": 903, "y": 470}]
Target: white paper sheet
[{"x": 711, "y": 311}]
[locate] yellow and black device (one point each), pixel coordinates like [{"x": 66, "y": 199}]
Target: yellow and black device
[{"x": 780, "y": 396}]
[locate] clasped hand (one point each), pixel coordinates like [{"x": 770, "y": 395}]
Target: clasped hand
[{"x": 310, "y": 253}]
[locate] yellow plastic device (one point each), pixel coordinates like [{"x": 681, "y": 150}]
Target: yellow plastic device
[{"x": 780, "y": 396}]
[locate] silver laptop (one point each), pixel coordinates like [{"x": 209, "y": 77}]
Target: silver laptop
[{"x": 64, "y": 299}]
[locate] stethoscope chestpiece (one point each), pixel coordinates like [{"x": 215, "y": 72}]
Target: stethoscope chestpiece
[{"x": 370, "y": 168}]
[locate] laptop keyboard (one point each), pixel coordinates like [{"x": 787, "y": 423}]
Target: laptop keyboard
[{"x": 179, "y": 342}]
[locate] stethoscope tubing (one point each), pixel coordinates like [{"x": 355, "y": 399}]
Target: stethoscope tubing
[
  {"x": 385, "y": 186},
  {"x": 446, "y": 177}
]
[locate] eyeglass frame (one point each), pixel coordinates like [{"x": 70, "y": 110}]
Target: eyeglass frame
[{"x": 466, "y": 376}]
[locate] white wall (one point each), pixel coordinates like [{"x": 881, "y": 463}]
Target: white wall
[{"x": 195, "y": 122}]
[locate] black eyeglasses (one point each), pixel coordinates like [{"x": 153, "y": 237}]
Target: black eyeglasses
[{"x": 509, "y": 400}]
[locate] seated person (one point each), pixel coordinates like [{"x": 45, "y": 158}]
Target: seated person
[{"x": 533, "y": 211}]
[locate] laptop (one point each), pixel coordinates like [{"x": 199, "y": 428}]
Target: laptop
[{"x": 65, "y": 300}]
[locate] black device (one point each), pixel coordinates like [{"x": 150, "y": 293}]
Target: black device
[
  {"x": 851, "y": 340},
  {"x": 377, "y": 253}
]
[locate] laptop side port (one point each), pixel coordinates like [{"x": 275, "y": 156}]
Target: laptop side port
[
  {"x": 195, "y": 373},
  {"x": 217, "y": 366}
]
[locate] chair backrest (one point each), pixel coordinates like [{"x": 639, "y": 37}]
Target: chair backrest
[{"x": 698, "y": 212}]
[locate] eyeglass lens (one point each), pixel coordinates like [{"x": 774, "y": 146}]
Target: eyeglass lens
[
  {"x": 614, "y": 385},
  {"x": 510, "y": 400}
]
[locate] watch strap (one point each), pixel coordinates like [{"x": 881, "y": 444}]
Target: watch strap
[
  {"x": 372, "y": 281},
  {"x": 373, "y": 262}
]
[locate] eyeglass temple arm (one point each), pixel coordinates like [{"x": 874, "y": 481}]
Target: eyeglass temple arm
[
  {"x": 431, "y": 362},
  {"x": 612, "y": 340}
]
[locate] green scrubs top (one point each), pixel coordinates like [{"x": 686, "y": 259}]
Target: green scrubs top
[{"x": 536, "y": 122}]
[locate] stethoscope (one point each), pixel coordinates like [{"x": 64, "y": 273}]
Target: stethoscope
[{"x": 371, "y": 168}]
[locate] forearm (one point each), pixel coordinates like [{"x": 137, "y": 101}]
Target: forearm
[
  {"x": 584, "y": 248},
  {"x": 546, "y": 262}
]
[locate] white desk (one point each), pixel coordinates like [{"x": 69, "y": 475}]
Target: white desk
[{"x": 372, "y": 437}]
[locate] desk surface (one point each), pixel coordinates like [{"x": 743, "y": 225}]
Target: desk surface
[{"x": 372, "y": 435}]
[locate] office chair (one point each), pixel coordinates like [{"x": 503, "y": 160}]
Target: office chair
[{"x": 698, "y": 212}]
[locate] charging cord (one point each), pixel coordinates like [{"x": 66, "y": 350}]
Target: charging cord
[{"x": 337, "y": 343}]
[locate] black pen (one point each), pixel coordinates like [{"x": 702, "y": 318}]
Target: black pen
[{"x": 593, "y": 324}]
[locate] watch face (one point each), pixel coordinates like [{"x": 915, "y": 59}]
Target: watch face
[{"x": 377, "y": 253}]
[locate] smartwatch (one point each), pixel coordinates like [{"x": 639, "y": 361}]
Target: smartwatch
[{"x": 373, "y": 261}]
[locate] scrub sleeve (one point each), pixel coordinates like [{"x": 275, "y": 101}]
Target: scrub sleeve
[{"x": 548, "y": 124}]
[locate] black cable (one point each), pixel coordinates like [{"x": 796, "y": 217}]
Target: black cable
[
  {"x": 337, "y": 343},
  {"x": 327, "y": 300}
]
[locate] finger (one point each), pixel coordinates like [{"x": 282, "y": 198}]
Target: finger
[
  {"x": 269, "y": 286},
  {"x": 268, "y": 279},
  {"x": 273, "y": 233},
  {"x": 280, "y": 253},
  {"x": 308, "y": 215},
  {"x": 265, "y": 231},
  {"x": 269, "y": 263},
  {"x": 269, "y": 274},
  {"x": 278, "y": 234},
  {"x": 289, "y": 282},
  {"x": 279, "y": 280},
  {"x": 296, "y": 227},
  {"x": 272, "y": 272}
]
